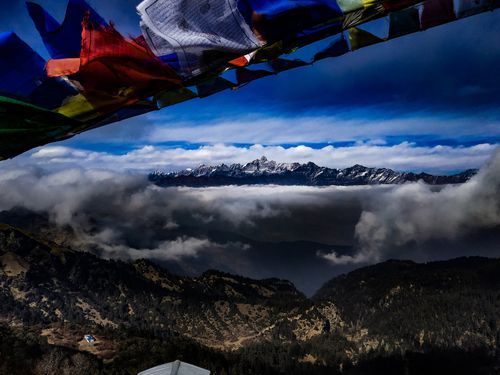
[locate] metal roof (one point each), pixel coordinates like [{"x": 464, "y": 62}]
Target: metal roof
[{"x": 175, "y": 368}]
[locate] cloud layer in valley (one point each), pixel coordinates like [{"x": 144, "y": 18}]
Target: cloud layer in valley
[{"x": 255, "y": 230}]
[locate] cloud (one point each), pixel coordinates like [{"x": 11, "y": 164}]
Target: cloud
[
  {"x": 404, "y": 156},
  {"x": 320, "y": 126},
  {"x": 122, "y": 215},
  {"x": 418, "y": 213},
  {"x": 307, "y": 234},
  {"x": 323, "y": 125},
  {"x": 117, "y": 210},
  {"x": 115, "y": 215},
  {"x": 167, "y": 250}
]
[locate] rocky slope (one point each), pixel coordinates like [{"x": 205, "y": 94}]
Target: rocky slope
[
  {"x": 262, "y": 171},
  {"x": 142, "y": 314}
]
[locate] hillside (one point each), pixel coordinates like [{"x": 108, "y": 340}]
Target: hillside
[
  {"x": 453, "y": 303},
  {"x": 44, "y": 285},
  {"x": 397, "y": 314}
]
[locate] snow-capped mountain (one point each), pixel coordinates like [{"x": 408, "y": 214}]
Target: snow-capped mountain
[{"x": 263, "y": 172}]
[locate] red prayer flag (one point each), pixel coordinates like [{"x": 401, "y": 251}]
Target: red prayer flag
[{"x": 112, "y": 64}]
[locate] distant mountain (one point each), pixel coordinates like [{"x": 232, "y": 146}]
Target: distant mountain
[
  {"x": 263, "y": 172},
  {"x": 394, "y": 317}
]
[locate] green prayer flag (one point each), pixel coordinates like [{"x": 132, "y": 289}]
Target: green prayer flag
[{"x": 24, "y": 126}]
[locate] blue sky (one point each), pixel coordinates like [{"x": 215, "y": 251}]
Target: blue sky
[{"x": 428, "y": 101}]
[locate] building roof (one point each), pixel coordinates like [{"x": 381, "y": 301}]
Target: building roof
[
  {"x": 175, "y": 368},
  {"x": 89, "y": 338}
]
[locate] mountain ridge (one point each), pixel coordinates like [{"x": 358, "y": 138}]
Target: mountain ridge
[{"x": 263, "y": 171}]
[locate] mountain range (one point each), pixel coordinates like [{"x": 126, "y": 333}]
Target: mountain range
[
  {"x": 262, "y": 172},
  {"x": 394, "y": 317}
]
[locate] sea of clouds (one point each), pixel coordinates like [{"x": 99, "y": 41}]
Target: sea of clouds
[{"x": 121, "y": 215}]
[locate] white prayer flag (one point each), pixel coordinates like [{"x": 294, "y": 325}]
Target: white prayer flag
[{"x": 195, "y": 30}]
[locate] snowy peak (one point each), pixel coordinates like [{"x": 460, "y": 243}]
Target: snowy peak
[{"x": 264, "y": 172}]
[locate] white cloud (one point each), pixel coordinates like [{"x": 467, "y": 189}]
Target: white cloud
[
  {"x": 319, "y": 129},
  {"x": 418, "y": 213},
  {"x": 177, "y": 249},
  {"x": 403, "y": 156}
]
